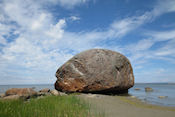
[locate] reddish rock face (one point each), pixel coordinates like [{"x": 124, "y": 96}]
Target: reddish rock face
[
  {"x": 20, "y": 92},
  {"x": 95, "y": 71}
]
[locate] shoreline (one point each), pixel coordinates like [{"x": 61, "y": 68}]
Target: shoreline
[
  {"x": 151, "y": 98},
  {"x": 124, "y": 106},
  {"x": 120, "y": 105},
  {"x": 148, "y": 102},
  {"x": 145, "y": 104}
]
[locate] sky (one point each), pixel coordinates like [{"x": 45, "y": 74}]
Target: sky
[{"x": 38, "y": 36}]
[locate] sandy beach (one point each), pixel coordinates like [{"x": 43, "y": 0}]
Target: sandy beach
[{"x": 122, "y": 106}]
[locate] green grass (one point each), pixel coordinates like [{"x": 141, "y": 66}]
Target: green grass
[{"x": 50, "y": 106}]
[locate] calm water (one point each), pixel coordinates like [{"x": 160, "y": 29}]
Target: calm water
[
  {"x": 160, "y": 89},
  {"x": 150, "y": 97}
]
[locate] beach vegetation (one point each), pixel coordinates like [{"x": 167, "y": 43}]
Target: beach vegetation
[{"x": 48, "y": 106}]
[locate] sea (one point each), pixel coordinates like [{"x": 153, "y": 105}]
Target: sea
[{"x": 159, "y": 89}]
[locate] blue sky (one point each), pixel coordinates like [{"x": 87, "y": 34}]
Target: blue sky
[{"x": 36, "y": 37}]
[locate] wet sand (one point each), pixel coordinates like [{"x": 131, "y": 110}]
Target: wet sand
[{"x": 122, "y": 106}]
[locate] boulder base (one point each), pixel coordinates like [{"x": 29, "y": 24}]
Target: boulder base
[{"x": 95, "y": 71}]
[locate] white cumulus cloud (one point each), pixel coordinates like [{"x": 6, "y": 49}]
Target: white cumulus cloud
[{"x": 41, "y": 45}]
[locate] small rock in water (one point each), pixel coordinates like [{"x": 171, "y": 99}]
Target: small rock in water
[
  {"x": 137, "y": 89},
  {"x": 148, "y": 89},
  {"x": 162, "y": 97}
]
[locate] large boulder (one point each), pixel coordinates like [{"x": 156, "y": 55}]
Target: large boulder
[
  {"x": 95, "y": 71},
  {"x": 21, "y": 92}
]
